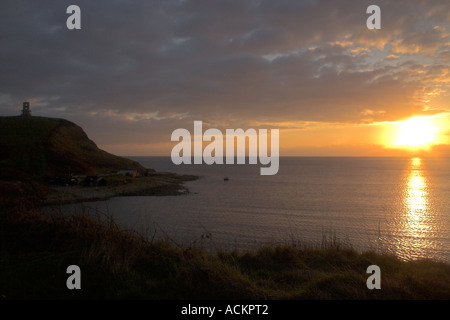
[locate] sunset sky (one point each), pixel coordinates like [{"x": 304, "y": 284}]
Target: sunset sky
[{"x": 137, "y": 70}]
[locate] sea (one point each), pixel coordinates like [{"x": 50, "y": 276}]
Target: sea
[{"x": 385, "y": 204}]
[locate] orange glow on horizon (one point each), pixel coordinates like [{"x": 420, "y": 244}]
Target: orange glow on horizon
[{"x": 415, "y": 136}]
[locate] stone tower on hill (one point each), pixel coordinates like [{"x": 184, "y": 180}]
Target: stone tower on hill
[{"x": 26, "y": 112}]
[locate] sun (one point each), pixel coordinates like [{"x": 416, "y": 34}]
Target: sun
[{"x": 417, "y": 132}]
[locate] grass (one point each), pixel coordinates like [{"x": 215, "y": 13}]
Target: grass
[{"x": 121, "y": 264}]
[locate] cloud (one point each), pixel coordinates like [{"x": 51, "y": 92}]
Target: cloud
[
  {"x": 141, "y": 68},
  {"x": 430, "y": 41}
]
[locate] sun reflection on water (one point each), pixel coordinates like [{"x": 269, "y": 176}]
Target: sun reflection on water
[
  {"x": 416, "y": 199},
  {"x": 416, "y": 223}
]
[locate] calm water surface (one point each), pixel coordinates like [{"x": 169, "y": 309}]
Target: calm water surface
[{"x": 399, "y": 205}]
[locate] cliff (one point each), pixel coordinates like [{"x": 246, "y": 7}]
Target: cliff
[{"x": 40, "y": 146}]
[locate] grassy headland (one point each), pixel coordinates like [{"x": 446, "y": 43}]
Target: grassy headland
[
  {"x": 39, "y": 146},
  {"x": 36, "y": 150}
]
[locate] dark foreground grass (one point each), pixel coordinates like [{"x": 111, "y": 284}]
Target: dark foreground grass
[{"x": 116, "y": 264}]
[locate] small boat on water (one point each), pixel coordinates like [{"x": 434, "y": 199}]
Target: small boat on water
[{"x": 225, "y": 179}]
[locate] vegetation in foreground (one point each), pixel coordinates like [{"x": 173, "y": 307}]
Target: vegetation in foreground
[{"x": 117, "y": 264}]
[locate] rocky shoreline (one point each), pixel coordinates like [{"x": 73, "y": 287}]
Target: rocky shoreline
[{"x": 157, "y": 184}]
